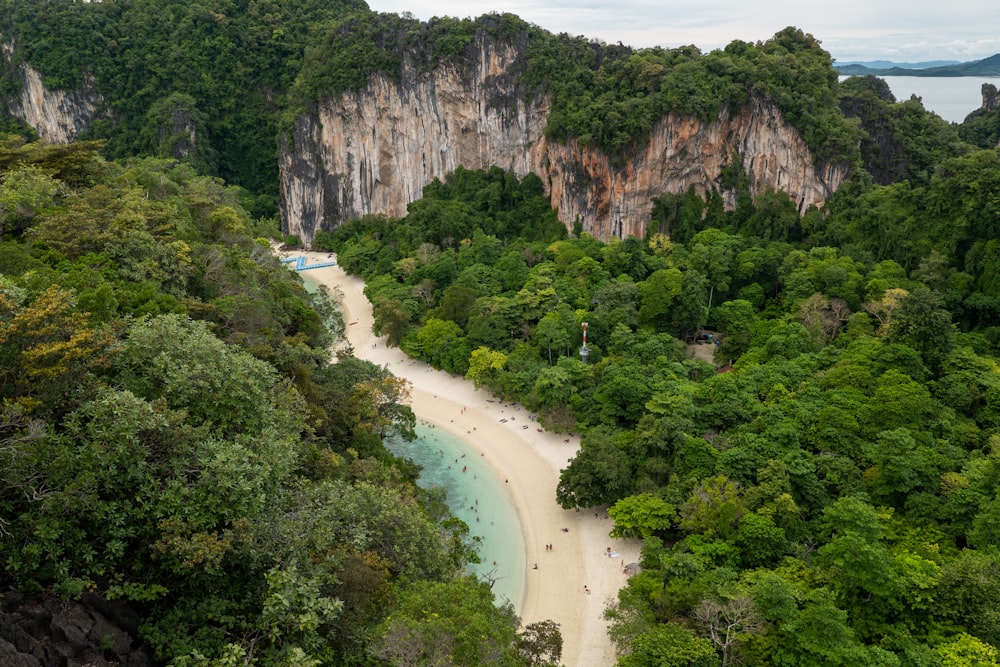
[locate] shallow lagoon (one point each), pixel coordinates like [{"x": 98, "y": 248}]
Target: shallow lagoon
[
  {"x": 493, "y": 520},
  {"x": 477, "y": 497}
]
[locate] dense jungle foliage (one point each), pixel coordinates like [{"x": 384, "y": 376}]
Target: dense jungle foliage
[
  {"x": 824, "y": 490},
  {"x": 229, "y": 64},
  {"x": 173, "y": 434}
]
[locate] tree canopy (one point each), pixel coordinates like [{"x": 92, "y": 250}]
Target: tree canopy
[
  {"x": 174, "y": 435},
  {"x": 799, "y": 426}
]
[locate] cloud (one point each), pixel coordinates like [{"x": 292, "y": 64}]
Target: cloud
[{"x": 848, "y": 29}]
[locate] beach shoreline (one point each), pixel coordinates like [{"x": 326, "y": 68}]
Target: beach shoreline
[{"x": 576, "y": 579}]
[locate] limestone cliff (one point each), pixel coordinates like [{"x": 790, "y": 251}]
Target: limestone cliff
[
  {"x": 373, "y": 151},
  {"x": 58, "y": 116},
  {"x": 990, "y": 107}
]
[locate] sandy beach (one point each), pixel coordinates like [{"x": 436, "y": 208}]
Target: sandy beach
[{"x": 574, "y": 580}]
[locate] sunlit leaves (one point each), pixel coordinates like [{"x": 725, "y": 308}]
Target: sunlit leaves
[
  {"x": 964, "y": 650},
  {"x": 641, "y": 516},
  {"x": 23, "y": 193},
  {"x": 485, "y": 366},
  {"x": 47, "y": 348}
]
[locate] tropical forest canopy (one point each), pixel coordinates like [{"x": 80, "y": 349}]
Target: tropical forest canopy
[
  {"x": 173, "y": 436},
  {"x": 817, "y": 486},
  {"x": 824, "y": 491}
]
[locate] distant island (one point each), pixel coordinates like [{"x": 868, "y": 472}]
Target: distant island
[{"x": 985, "y": 67}]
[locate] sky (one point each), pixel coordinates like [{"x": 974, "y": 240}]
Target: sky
[{"x": 850, "y": 30}]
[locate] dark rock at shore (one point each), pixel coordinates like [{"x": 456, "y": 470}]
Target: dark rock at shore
[{"x": 94, "y": 632}]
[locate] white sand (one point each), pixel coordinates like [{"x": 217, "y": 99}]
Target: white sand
[{"x": 530, "y": 461}]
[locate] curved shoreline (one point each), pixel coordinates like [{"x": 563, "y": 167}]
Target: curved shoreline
[{"x": 530, "y": 460}]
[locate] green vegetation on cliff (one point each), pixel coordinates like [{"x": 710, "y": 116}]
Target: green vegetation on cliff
[
  {"x": 602, "y": 95},
  {"x": 233, "y": 62},
  {"x": 610, "y": 96}
]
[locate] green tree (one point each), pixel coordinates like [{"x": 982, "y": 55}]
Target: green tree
[
  {"x": 964, "y": 650},
  {"x": 448, "y": 623},
  {"x": 922, "y": 323},
  {"x": 602, "y": 471},
  {"x": 390, "y": 321},
  {"x": 903, "y": 467},
  {"x": 657, "y": 295},
  {"x": 817, "y": 634},
  {"x": 181, "y": 361},
  {"x": 541, "y": 644},
  {"x": 485, "y": 366},
  {"x": 551, "y": 332},
  {"x": 969, "y": 594},
  {"x": 760, "y": 541},
  {"x": 441, "y": 342},
  {"x": 553, "y": 387},
  {"x": 295, "y": 610},
  {"x": 48, "y": 351},
  {"x": 713, "y": 508},
  {"x": 24, "y": 192},
  {"x": 734, "y": 319},
  {"x": 641, "y": 516},
  {"x": 711, "y": 254},
  {"x": 623, "y": 391},
  {"x": 669, "y": 645},
  {"x": 456, "y": 304},
  {"x": 616, "y": 303}
]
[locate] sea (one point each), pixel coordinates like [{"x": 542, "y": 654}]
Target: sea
[
  {"x": 478, "y": 497},
  {"x": 953, "y": 98}
]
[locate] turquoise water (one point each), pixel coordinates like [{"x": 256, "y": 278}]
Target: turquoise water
[{"x": 477, "y": 497}]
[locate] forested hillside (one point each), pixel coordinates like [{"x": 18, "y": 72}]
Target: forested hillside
[
  {"x": 824, "y": 492},
  {"x": 216, "y": 83},
  {"x": 174, "y": 442},
  {"x": 228, "y": 66}
]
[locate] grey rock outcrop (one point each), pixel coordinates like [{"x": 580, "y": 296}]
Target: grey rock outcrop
[
  {"x": 58, "y": 116},
  {"x": 47, "y": 631},
  {"x": 373, "y": 151}
]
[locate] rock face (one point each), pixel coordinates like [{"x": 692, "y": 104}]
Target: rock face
[
  {"x": 373, "y": 151},
  {"x": 47, "y": 631},
  {"x": 991, "y": 98},
  {"x": 57, "y": 116}
]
